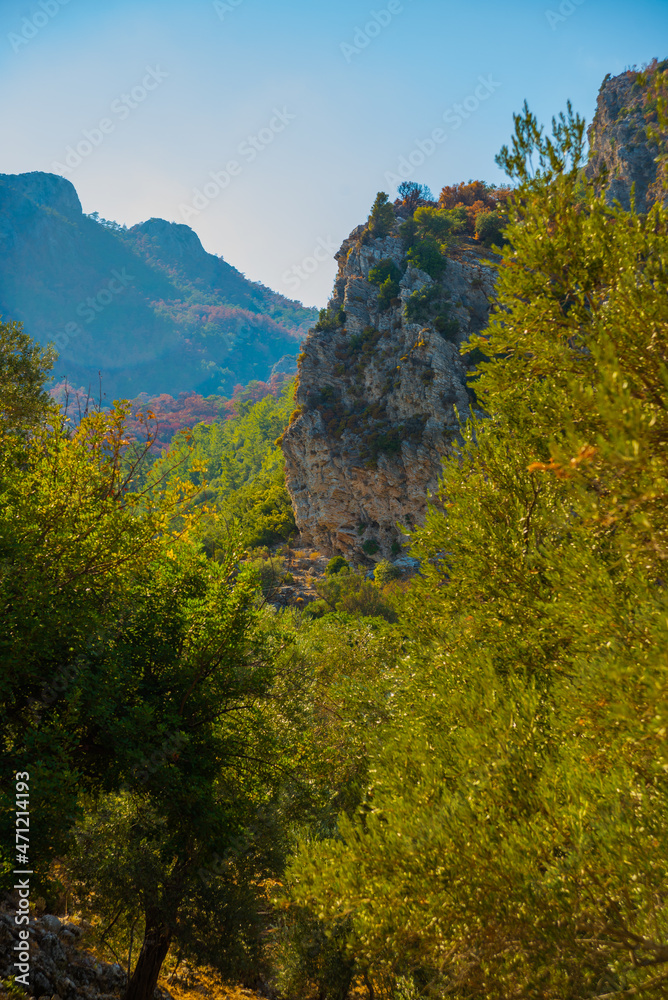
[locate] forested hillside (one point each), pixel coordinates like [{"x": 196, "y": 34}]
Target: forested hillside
[
  {"x": 147, "y": 308},
  {"x": 446, "y": 784}
]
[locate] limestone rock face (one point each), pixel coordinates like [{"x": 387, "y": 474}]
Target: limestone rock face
[
  {"x": 620, "y": 150},
  {"x": 380, "y": 396}
]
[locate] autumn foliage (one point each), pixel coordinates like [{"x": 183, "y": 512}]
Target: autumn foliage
[
  {"x": 476, "y": 197},
  {"x": 163, "y": 416}
]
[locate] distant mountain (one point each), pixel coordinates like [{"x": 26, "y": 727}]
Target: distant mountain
[{"x": 147, "y": 307}]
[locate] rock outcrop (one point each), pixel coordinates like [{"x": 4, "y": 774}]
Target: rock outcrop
[
  {"x": 381, "y": 395},
  {"x": 58, "y": 966},
  {"x": 621, "y": 152}
]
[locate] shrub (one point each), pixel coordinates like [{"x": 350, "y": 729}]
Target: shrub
[
  {"x": 382, "y": 270},
  {"x": 426, "y": 255},
  {"x": 329, "y": 320},
  {"x": 408, "y": 232},
  {"x": 389, "y": 290},
  {"x": 269, "y": 572},
  {"x": 437, "y": 223},
  {"x": 371, "y": 546},
  {"x": 489, "y": 228},
  {"x": 353, "y": 594},
  {"x": 422, "y": 303},
  {"x": 385, "y": 572},
  {"x": 335, "y": 565},
  {"x": 448, "y": 328}
]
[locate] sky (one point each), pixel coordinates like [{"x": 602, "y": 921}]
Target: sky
[{"x": 268, "y": 126}]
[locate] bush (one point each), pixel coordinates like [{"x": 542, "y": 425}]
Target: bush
[
  {"x": 448, "y": 328},
  {"x": 389, "y": 290},
  {"x": 489, "y": 228},
  {"x": 313, "y": 960},
  {"x": 335, "y": 565},
  {"x": 426, "y": 255},
  {"x": 437, "y": 222},
  {"x": 350, "y": 592},
  {"x": 371, "y": 546},
  {"x": 269, "y": 572},
  {"x": 422, "y": 303},
  {"x": 329, "y": 321},
  {"x": 385, "y": 572},
  {"x": 383, "y": 270}
]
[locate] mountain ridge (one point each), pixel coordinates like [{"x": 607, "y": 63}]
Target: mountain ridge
[{"x": 148, "y": 307}]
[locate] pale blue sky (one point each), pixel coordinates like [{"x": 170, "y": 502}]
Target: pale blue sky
[{"x": 221, "y": 72}]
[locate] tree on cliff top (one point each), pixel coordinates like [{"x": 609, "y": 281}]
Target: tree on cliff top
[{"x": 381, "y": 219}]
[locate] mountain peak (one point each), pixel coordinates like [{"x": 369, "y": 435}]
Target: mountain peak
[
  {"x": 46, "y": 190},
  {"x": 174, "y": 238}
]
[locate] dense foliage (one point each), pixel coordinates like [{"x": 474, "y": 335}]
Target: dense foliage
[
  {"x": 453, "y": 786},
  {"x": 239, "y": 469},
  {"x": 511, "y": 840}
]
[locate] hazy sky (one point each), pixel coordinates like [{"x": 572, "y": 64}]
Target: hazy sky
[{"x": 301, "y": 109}]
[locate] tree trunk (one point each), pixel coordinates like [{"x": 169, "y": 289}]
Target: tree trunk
[{"x": 155, "y": 946}]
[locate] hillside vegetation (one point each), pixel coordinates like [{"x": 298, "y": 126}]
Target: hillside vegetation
[
  {"x": 147, "y": 309},
  {"x": 465, "y": 797}
]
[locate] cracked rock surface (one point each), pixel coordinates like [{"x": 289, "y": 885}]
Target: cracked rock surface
[{"x": 380, "y": 397}]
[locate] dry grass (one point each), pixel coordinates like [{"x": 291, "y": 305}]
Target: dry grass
[{"x": 207, "y": 983}]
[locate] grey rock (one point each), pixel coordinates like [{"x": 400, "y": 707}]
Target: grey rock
[
  {"x": 53, "y": 949},
  {"x": 621, "y": 154},
  {"x": 73, "y": 929},
  {"x": 49, "y": 190},
  {"x": 287, "y": 365},
  {"x": 407, "y": 564},
  {"x": 409, "y": 389},
  {"x": 51, "y": 923},
  {"x": 41, "y": 985},
  {"x": 45, "y": 964}
]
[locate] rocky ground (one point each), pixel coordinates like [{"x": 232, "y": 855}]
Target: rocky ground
[
  {"x": 59, "y": 967},
  {"x": 64, "y": 966}
]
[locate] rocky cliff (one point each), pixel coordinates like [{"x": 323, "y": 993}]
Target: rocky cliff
[
  {"x": 622, "y": 151},
  {"x": 382, "y": 385},
  {"x": 381, "y": 391}
]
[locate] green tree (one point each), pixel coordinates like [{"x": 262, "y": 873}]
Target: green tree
[
  {"x": 189, "y": 842},
  {"x": 24, "y": 368},
  {"x": 381, "y": 219}
]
